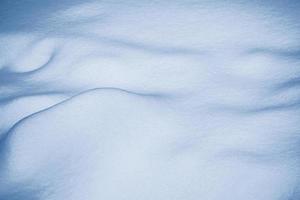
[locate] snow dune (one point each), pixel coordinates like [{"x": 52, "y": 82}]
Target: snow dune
[{"x": 112, "y": 100}]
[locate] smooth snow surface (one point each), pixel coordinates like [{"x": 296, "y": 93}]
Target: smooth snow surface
[{"x": 154, "y": 100}]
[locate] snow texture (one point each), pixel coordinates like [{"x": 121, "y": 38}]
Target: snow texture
[{"x": 149, "y": 100}]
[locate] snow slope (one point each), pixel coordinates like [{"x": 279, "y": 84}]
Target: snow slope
[{"x": 149, "y": 100}]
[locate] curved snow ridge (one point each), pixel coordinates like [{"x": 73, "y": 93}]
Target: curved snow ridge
[
  {"x": 15, "y": 112},
  {"x": 107, "y": 95}
]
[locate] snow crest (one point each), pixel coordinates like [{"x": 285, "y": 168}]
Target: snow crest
[{"x": 137, "y": 101}]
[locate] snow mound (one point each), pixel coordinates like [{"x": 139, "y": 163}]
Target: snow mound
[{"x": 149, "y": 100}]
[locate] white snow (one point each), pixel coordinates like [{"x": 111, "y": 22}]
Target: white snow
[{"x": 109, "y": 100}]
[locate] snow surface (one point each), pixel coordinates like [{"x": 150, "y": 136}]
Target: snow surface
[{"x": 154, "y": 100}]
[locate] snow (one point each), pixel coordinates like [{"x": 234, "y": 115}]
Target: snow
[{"x": 138, "y": 100}]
